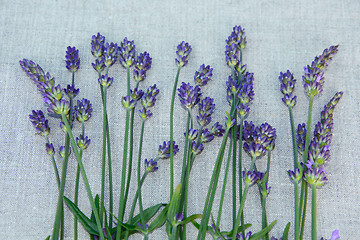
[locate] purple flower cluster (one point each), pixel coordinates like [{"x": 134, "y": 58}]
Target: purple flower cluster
[
  {"x": 97, "y": 45},
  {"x": 41, "y": 124},
  {"x": 287, "y": 86},
  {"x": 164, "y": 150},
  {"x": 82, "y": 142},
  {"x": 203, "y": 75},
  {"x": 313, "y": 77},
  {"x": 189, "y": 95},
  {"x": 182, "y": 54},
  {"x": 243, "y": 90},
  {"x": 105, "y": 80},
  {"x": 110, "y": 54},
  {"x": 83, "y": 110},
  {"x": 258, "y": 140},
  {"x": 151, "y": 165},
  {"x": 127, "y": 53},
  {"x": 235, "y": 42},
  {"x": 148, "y": 100},
  {"x": 206, "y": 109},
  {"x": 72, "y": 59},
  {"x": 142, "y": 65},
  {"x": 250, "y": 177}
]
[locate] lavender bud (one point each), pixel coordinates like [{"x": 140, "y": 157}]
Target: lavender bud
[
  {"x": 192, "y": 134},
  {"x": 196, "y": 149},
  {"x": 83, "y": 110},
  {"x": 145, "y": 114},
  {"x": 33, "y": 70},
  {"x": 295, "y": 175},
  {"x": 164, "y": 150},
  {"x": 55, "y": 93},
  {"x": 83, "y": 142},
  {"x": 217, "y": 130},
  {"x": 189, "y": 95},
  {"x": 50, "y": 149},
  {"x": 110, "y": 54},
  {"x": 128, "y": 102},
  {"x": 230, "y": 121},
  {"x": 136, "y": 94},
  {"x": 38, "y": 120},
  {"x": 127, "y": 53},
  {"x": 203, "y": 75},
  {"x": 206, "y": 136},
  {"x": 99, "y": 65},
  {"x": 249, "y": 177},
  {"x": 97, "y": 45},
  {"x": 206, "y": 108},
  {"x": 300, "y": 137},
  {"x": 62, "y": 151},
  {"x": 315, "y": 176},
  {"x": 105, "y": 80},
  {"x": 142, "y": 65},
  {"x": 182, "y": 54},
  {"x": 71, "y": 91},
  {"x": 265, "y": 190},
  {"x": 151, "y": 165},
  {"x": 72, "y": 59},
  {"x": 58, "y": 107},
  {"x": 287, "y": 86}
]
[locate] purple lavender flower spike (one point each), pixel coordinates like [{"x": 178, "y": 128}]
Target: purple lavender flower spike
[
  {"x": 196, "y": 149},
  {"x": 105, "y": 81},
  {"x": 313, "y": 77},
  {"x": 287, "y": 86},
  {"x": 249, "y": 177},
  {"x": 128, "y": 102},
  {"x": 72, "y": 59},
  {"x": 243, "y": 110},
  {"x": 38, "y": 120},
  {"x": 300, "y": 137},
  {"x": 50, "y": 149},
  {"x": 254, "y": 149},
  {"x": 99, "y": 65},
  {"x": 189, "y": 95},
  {"x": 71, "y": 91},
  {"x": 142, "y": 65},
  {"x": 83, "y": 141},
  {"x": 151, "y": 165},
  {"x": 149, "y": 98},
  {"x": 193, "y": 133},
  {"x": 315, "y": 176},
  {"x": 164, "y": 150},
  {"x": 235, "y": 42},
  {"x": 217, "y": 130},
  {"x": 206, "y": 109},
  {"x": 182, "y": 53},
  {"x": 83, "y": 110},
  {"x": 203, "y": 75},
  {"x": 110, "y": 54},
  {"x": 53, "y": 94},
  {"x": 97, "y": 45},
  {"x": 238, "y": 37},
  {"x": 232, "y": 55},
  {"x": 33, "y": 70},
  {"x": 335, "y": 235},
  {"x": 206, "y": 136},
  {"x": 248, "y": 131},
  {"x": 127, "y": 53},
  {"x": 318, "y": 154},
  {"x": 266, "y": 130}
]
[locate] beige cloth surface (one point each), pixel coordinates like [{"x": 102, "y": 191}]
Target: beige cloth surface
[{"x": 281, "y": 35}]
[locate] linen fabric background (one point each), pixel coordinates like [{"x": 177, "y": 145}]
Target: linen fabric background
[{"x": 280, "y": 34}]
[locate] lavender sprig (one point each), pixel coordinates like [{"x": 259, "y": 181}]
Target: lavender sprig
[
  {"x": 203, "y": 75},
  {"x": 72, "y": 59},
  {"x": 182, "y": 54},
  {"x": 287, "y": 87},
  {"x": 189, "y": 95},
  {"x": 127, "y": 53},
  {"x": 142, "y": 65}
]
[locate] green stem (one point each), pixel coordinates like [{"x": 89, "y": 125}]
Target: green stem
[
  {"x": 123, "y": 175},
  {"x": 172, "y": 133},
  {"x": 56, "y": 171},
  {"x": 111, "y": 201},
  {"x": 212, "y": 189},
  {"x": 302, "y": 227},
  {"x": 297, "y": 210},
  {"x": 264, "y": 216},
  {"x": 224, "y": 187},
  {"x": 313, "y": 212},
  {"x": 240, "y": 210},
  {"x": 103, "y": 157},
  {"x": 138, "y": 174},
  {"x": 252, "y": 165},
  {"x": 293, "y": 133},
  {"x": 83, "y": 173},
  {"x": 240, "y": 170}
]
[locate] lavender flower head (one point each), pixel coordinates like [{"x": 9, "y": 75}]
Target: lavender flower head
[
  {"x": 217, "y": 130},
  {"x": 234, "y": 44},
  {"x": 189, "y": 95},
  {"x": 145, "y": 113},
  {"x": 97, "y": 45},
  {"x": 287, "y": 86},
  {"x": 206, "y": 136},
  {"x": 149, "y": 98},
  {"x": 164, "y": 150},
  {"x": 83, "y": 110},
  {"x": 142, "y": 65},
  {"x": 99, "y": 65},
  {"x": 206, "y": 109},
  {"x": 203, "y": 75},
  {"x": 300, "y": 138},
  {"x": 313, "y": 77},
  {"x": 182, "y": 53},
  {"x": 83, "y": 141},
  {"x": 128, "y": 102},
  {"x": 196, "y": 148},
  {"x": 110, "y": 54},
  {"x": 58, "y": 106},
  {"x": 136, "y": 94},
  {"x": 62, "y": 151},
  {"x": 72, "y": 59},
  {"x": 38, "y": 120},
  {"x": 71, "y": 91},
  {"x": 151, "y": 165},
  {"x": 105, "y": 81},
  {"x": 258, "y": 139},
  {"x": 127, "y": 53},
  {"x": 315, "y": 176},
  {"x": 192, "y": 134},
  {"x": 50, "y": 149},
  {"x": 249, "y": 177},
  {"x": 33, "y": 70},
  {"x": 238, "y": 37},
  {"x": 295, "y": 175},
  {"x": 335, "y": 235}
]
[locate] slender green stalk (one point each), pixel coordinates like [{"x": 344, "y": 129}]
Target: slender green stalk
[
  {"x": 252, "y": 165},
  {"x": 263, "y": 213},
  {"x": 83, "y": 173},
  {"x": 123, "y": 175},
  {"x": 224, "y": 186},
  {"x": 240, "y": 171},
  {"x": 240, "y": 210},
  {"x": 56, "y": 171},
  {"x": 297, "y": 210},
  {"x": 102, "y": 197},
  {"x": 302, "y": 226},
  {"x": 111, "y": 201},
  {"x": 138, "y": 174},
  {"x": 293, "y": 133},
  {"x": 77, "y": 180},
  {"x": 212, "y": 189},
  {"x": 313, "y": 213},
  {"x": 172, "y": 133}
]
